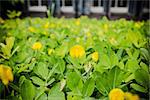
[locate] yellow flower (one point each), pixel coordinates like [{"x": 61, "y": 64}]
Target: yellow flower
[
  {"x": 116, "y": 94},
  {"x": 46, "y": 25},
  {"x": 77, "y": 22},
  {"x": 77, "y": 51},
  {"x": 37, "y": 46},
  {"x": 135, "y": 97},
  {"x": 130, "y": 96},
  {"x": 50, "y": 51},
  {"x": 31, "y": 29},
  {"x": 105, "y": 27},
  {"x": 95, "y": 56},
  {"x": 6, "y": 74}
]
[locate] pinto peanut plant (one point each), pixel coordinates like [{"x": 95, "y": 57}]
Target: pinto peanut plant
[{"x": 74, "y": 59}]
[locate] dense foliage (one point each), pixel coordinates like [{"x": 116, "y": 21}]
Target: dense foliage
[{"x": 73, "y": 59}]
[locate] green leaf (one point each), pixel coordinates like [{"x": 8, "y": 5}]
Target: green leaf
[
  {"x": 100, "y": 68},
  {"x": 38, "y": 81},
  {"x": 15, "y": 87},
  {"x": 18, "y": 13},
  {"x": 132, "y": 65},
  {"x": 101, "y": 84},
  {"x": 73, "y": 97},
  {"x": 43, "y": 97},
  {"x": 74, "y": 81},
  {"x": 27, "y": 90},
  {"x": 39, "y": 92},
  {"x": 113, "y": 59},
  {"x": 144, "y": 52},
  {"x": 109, "y": 80},
  {"x": 74, "y": 62},
  {"x": 61, "y": 66},
  {"x": 42, "y": 70},
  {"x": 14, "y": 50},
  {"x": 129, "y": 52},
  {"x": 55, "y": 93},
  {"x": 138, "y": 88},
  {"x": 56, "y": 96},
  {"x": 21, "y": 80},
  {"x": 133, "y": 37},
  {"x": 87, "y": 67},
  {"x": 121, "y": 65},
  {"x": 88, "y": 87},
  {"x": 136, "y": 54},
  {"x": 115, "y": 77},
  {"x": 62, "y": 50},
  {"x": 10, "y": 42},
  {"x": 51, "y": 43},
  {"x": 13, "y": 14},
  {"x": 105, "y": 61},
  {"x": 144, "y": 66},
  {"x": 52, "y": 71},
  {"x": 119, "y": 53},
  {"x": 6, "y": 49},
  {"x": 129, "y": 78},
  {"x": 50, "y": 81},
  {"x": 62, "y": 84},
  {"x": 12, "y": 98},
  {"x": 88, "y": 98},
  {"x": 142, "y": 77}
]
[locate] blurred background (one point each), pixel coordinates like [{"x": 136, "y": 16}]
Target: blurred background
[{"x": 113, "y": 9}]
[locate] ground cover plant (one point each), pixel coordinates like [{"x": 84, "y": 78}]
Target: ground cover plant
[{"x": 74, "y": 59}]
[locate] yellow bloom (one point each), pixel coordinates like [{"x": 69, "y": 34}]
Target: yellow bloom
[
  {"x": 46, "y": 25},
  {"x": 135, "y": 97},
  {"x": 77, "y": 51},
  {"x": 95, "y": 56},
  {"x": 130, "y": 96},
  {"x": 37, "y": 46},
  {"x": 31, "y": 29},
  {"x": 50, "y": 51},
  {"x": 6, "y": 74},
  {"x": 116, "y": 94},
  {"x": 77, "y": 22},
  {"x": 105, "y": 27}
]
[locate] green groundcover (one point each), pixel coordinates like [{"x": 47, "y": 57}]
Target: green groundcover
[{"x": 74, "y": 59}]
